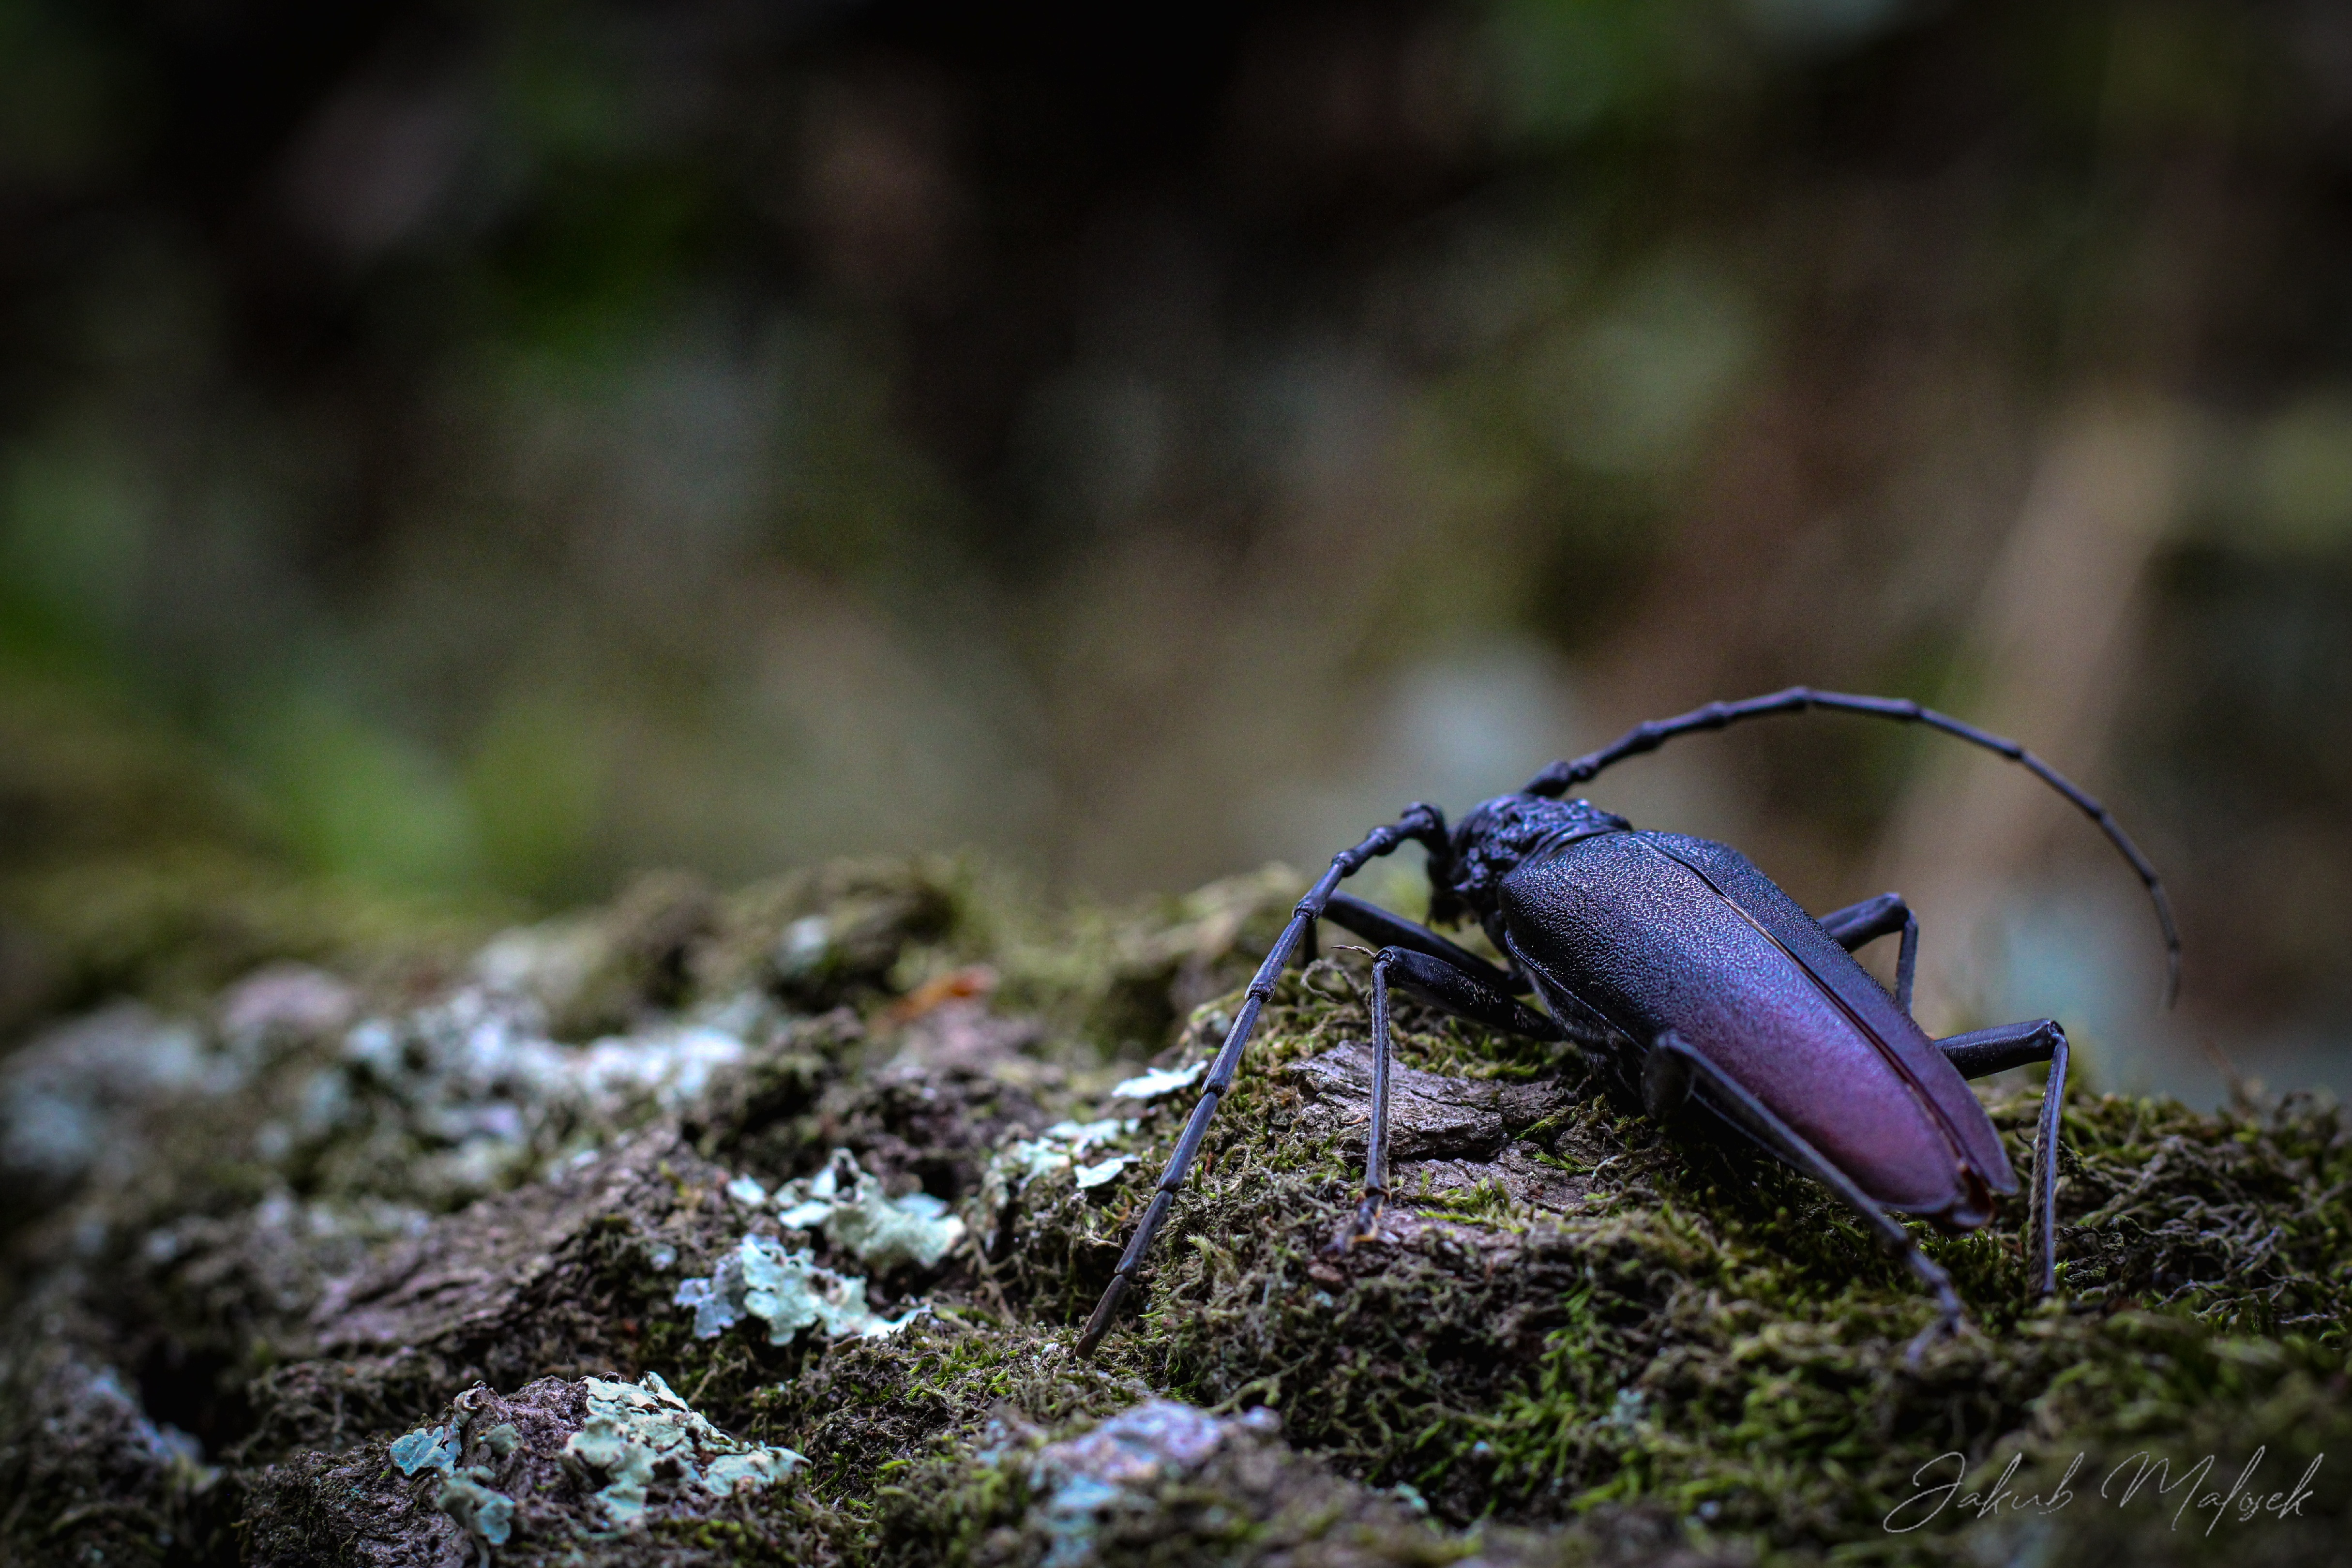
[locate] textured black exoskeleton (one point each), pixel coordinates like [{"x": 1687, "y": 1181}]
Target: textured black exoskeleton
[{"x": 1678, "y": 960}]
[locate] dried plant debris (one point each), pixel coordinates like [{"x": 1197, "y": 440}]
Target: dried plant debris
[{"x": 574, "y": 1253}]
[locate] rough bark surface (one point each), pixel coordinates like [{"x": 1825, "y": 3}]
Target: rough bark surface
[{"x": 755, "y": 1229}]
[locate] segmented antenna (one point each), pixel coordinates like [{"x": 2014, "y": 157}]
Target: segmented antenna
[{"x": 1562, "y": 777}]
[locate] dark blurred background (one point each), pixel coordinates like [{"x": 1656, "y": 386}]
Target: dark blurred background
[{"x": 470, "y": 454}]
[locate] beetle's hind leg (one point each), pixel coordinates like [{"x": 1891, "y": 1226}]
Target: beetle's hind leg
[
  {"x": 1673, "y": 1070},
  {"x": 1977, "y": 1053},
  {"x": 1858, "y": 925},
  {"x": 1451, "y": 989},
  {"x": 1983, "y": 1052}
]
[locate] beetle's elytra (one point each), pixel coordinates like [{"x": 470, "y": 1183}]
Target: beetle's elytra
[{"x": 1685, "y": 966}]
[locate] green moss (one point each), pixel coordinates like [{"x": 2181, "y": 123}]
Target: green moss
[
  {"x": 1574, "y": 1324},
  {"x": 1706, "y": 1331}
]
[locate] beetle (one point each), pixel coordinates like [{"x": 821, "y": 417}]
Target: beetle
[{"x": 1679, "y": 963}]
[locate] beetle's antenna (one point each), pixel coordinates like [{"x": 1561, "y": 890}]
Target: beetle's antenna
[{"x": 1562, "y": 777}]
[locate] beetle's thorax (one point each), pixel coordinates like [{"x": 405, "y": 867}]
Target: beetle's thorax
[{"x": 1500, "y": 835}]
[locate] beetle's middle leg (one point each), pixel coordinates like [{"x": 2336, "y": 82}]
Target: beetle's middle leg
[
  {"x": 1673, "y": 1070},
  {"x": 1982, "y": 1052},
  {"x": 1454, "y": 990},
  {"x": 1858, "y": 925}
]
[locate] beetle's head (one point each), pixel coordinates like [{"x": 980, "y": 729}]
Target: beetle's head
[{"x": 1490, "y": 842}]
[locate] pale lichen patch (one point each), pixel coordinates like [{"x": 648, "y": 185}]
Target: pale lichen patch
[
  {"x": 465, "y": 1495},
  {"x": 642, "y": 1434},
  {"x": 848, "y": 1202},
  {"x": 1157, "y": 1082},
  {"x": 426, "y": 1448},
  {"x": 785, "y": 1288}
]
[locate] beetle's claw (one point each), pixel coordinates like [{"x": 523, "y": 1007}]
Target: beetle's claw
[{"x": 1363, "y": 1226}]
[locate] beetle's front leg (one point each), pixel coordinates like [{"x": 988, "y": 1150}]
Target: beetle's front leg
[
  {"x": 1376, "y": 1144},
  {"x": 1419, "y": 823},
  {"x": 1452, "y": 990}
]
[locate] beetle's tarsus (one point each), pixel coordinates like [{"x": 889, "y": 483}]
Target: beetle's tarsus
[
  {"x": 1950, "y": 1317},
  {"x": 1361, "y": 1226},
  {"x": 1099, "y": 1324},
  {"x": 1949, "y": 1322}
]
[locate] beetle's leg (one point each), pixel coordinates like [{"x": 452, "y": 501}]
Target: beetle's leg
[
  {"x": 1981, "y": 1052},
  {"x": 1421, "y": 823},
  {"x": 1451, "y": 989},
  {"x": 1674, "y": 1069},
  {"x": 1465, "y": 995},
  {"x": 1376, "y": 1142},
  {"x": 1374, "y": 923},
  {"x": 1868, "y": 920}
]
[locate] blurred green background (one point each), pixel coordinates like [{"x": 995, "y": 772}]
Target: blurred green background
[{"x": 452, "y": 457}]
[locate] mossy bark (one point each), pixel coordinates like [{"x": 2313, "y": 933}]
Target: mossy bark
[{"x": 417, "y": 1198}]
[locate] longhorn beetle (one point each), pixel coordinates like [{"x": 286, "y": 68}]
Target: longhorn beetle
[{"x": 1677, "y": 959}]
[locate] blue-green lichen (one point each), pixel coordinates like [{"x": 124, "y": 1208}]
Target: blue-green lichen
[
  {"x": 427, "y": 1448},
  {"x": 846, "y": 1202},
  {"x": 786, "y": 1288},
  {"x": 640, "y": 1435},
  {"x": 465, "y": 1495}
]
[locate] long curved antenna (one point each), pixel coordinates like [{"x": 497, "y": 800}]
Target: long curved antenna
[
  {"x": 1562, "y": 777},
  {"x": 1421, "y": 823}
]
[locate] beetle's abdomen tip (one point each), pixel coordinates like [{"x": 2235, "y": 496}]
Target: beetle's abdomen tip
[{"x": 1974, "y": 1207}]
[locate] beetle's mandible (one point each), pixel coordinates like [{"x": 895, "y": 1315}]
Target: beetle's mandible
[{"x": 1679, "y": 960}]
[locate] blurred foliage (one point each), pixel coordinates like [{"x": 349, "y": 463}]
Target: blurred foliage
[
  {"x": 502, "y": 449},
  {"x": 127, "y": 864}
]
